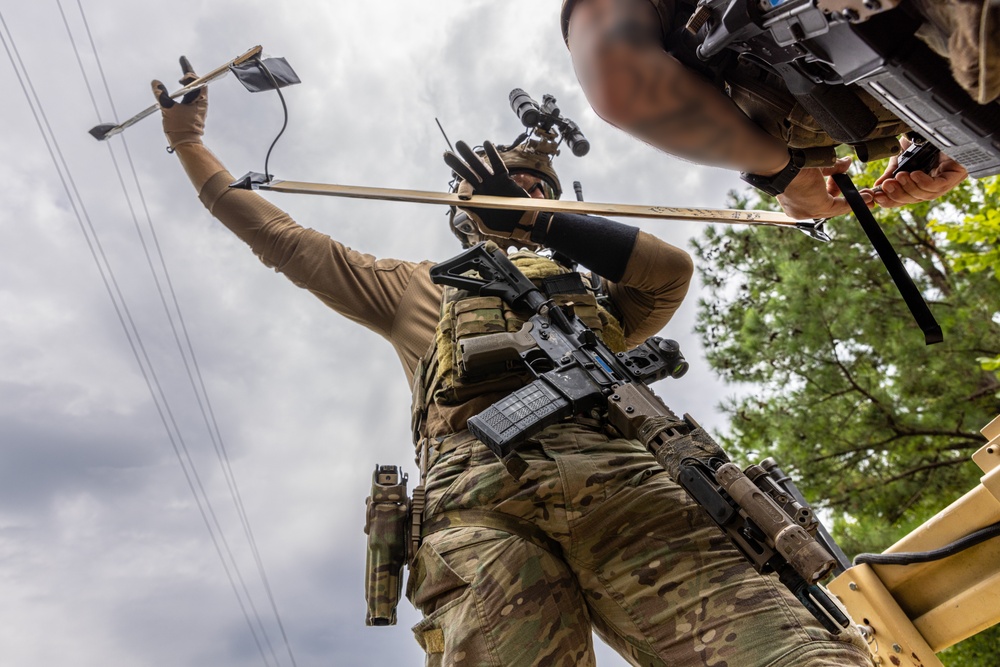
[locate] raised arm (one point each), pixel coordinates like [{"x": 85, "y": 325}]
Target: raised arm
[
  {"x": 635, "y": 84},
  {"x": 367, "y": 290}
]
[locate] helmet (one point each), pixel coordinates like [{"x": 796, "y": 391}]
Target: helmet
[{"x": 520, "y": 158}]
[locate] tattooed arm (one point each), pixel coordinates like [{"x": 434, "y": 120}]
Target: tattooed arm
[{"x": 632, "y": 83}]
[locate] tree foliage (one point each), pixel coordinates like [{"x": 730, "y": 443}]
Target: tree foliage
[
  {"x": 841, "y": 389},
  {"x": 981, "y": 231},
  {"x": 878, "y": 425}
]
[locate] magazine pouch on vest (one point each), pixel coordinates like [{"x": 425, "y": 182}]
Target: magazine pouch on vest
[
  {"x": 467, "y": 366},
  {"x": 387, "y": 526}
]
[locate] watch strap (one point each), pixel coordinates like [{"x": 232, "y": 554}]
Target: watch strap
[{"x": 775, "y": 184}]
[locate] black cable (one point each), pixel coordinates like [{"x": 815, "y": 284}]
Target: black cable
[
  {"x": 970, "y": 540},
  {"x": 284, "y": 108}
]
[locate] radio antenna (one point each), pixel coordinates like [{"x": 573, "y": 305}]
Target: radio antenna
[{"x": 443, "y": 134}]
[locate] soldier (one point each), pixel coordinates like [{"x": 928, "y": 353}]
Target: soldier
[
  {"x": 637, "y": 66},
  {"x": 594, "y": 536}
]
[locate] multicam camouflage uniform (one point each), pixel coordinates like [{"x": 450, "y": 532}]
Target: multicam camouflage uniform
[
  {"x": 620, "y": 549},
  {"x": 594, "y": 535}
]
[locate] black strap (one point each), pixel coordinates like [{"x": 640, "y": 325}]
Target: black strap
[
  {"x": 911, "y": 295},
  {"x": 603, "y": 246}
]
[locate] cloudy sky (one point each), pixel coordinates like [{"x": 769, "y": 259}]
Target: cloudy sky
[{"x": 107, "y": 495}]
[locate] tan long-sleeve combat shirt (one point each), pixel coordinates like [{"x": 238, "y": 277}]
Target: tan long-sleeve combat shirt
[{"x": 396, "y": 298}]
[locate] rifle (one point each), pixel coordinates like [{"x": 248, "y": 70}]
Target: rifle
[
  {"x": 575, "y": 372},
  {"x": 821, "y": 47}
]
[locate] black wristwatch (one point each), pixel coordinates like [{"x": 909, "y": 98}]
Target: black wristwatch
[{"x": 776, "y": 184}]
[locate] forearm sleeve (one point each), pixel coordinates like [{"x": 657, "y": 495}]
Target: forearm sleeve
[
  {"x": 603, "y": 246},
  {"x": 649, "y": 277}
]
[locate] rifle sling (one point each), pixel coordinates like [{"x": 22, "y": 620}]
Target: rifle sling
[{"x": 907, "y": 289}]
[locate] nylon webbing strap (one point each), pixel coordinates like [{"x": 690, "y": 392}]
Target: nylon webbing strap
[
  {"x": 253, "y": 181},
  {"x": 911, "y": 295},
  {"x": 507, "y": 523}
]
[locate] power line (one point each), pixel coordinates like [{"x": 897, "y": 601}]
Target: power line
[
  {"x": 205, "y": 405},
  {"x": 117, "y": 298},
  {"x": 220, "y": 452}
]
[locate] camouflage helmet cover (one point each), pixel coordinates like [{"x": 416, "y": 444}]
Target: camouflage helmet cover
[{"x": 519, "y": 158}]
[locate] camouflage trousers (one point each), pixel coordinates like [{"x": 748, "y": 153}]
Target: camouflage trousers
[{"x": 637, "y": 562}]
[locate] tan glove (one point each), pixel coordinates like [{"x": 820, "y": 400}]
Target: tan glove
[{"x": 184, "y": 122}]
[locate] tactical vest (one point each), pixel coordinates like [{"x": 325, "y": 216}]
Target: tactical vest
[
  {"x": 463, "y": 316},
  {"x": 763, "y": 97}
]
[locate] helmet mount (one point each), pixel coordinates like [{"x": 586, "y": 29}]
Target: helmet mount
[{"x": 531, "y": 152}]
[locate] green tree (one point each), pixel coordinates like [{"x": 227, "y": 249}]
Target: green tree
[
  {"x": 981, "y": 230},
  {"x": 839, "y": 386}
]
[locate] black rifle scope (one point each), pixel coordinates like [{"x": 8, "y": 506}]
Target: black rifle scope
[
  {"x": 526, "y": 108},
  {"x": 574, "y": 137},
  {"x": 544, "y": 116}
]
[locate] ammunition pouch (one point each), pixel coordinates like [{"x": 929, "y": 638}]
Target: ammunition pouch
[
  {"x": 464, "y": 319},
  {"x": 387, "y": 524}
]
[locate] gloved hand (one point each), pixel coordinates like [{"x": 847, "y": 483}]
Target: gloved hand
[
  {"x": 183, "y": 123},
  {"x": 495, "y": 181}
]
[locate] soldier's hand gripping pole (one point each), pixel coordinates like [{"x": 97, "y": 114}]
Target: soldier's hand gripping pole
[
  {"x": 108, "y": 130},
  {"x": 576, "y": 373},
  {"x": 246, "y": 67}
]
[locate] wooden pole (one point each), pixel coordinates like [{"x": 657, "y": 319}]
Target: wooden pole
[{"x": 730, "y": 216}]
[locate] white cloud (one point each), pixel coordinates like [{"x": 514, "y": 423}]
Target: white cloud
[{"x": 104, "y": 555}]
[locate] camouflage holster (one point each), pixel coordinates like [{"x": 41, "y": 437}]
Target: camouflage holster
[{"x": 387, "y": 524}]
